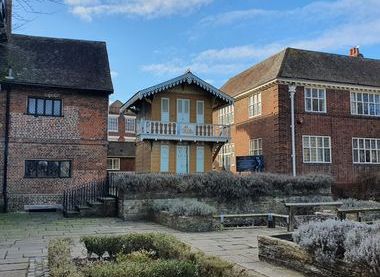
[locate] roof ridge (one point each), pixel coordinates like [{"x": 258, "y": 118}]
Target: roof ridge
[
  {"x": 287, "y": 50},
  {"x": 58, "y": 39}
]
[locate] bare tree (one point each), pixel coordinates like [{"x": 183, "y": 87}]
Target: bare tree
[{"x": 25, "y": 11}]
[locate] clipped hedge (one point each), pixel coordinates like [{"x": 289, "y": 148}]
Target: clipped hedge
[
  {"x": 59, "y": 259},
  {"x": 153, "y": 254},
  {"x": 223, "y": 185}
]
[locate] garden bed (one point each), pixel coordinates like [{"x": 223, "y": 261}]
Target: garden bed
[
  {"x": 184, "y": 223},
  {"x": 137, "y": 255},
  {"x": 320, "y": 249}
]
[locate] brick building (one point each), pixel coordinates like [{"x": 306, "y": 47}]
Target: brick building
[
  {"x": 336, "y": 114},
  {"x": 175, "y": 130},
  {"x": 53, "y": 116},
  {"x": 121, "y": 139}
]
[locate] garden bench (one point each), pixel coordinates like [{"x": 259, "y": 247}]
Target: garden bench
[
  {"x": 342, "y": 213},
  {"x": 270, "y": 216},
  {"x": 293, "y": 206}
]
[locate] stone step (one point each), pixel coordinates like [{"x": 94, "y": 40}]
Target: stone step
[
  {"x": 94, "y": 204},
  {"x": 72, "y": 214},
  {"x": 107, "y": 199}
]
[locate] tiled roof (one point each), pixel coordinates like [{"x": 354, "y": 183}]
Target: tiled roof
[
  {"x": 188, "y": 78},
  {"x": 307, "y": 65},
  {"x": 53, "y": 62}
]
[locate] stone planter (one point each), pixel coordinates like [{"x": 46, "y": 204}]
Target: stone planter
[
  {"x": 184, "y": 223},
  {"x": 280, "y": 250}
]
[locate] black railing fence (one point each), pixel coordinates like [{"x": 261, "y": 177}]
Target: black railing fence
[{"x": 89, "y": 192}]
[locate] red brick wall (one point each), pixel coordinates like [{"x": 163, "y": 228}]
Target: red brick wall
[
  {"x": 79, "y": 135},
  {"x": 341, "y": 126},
  {"x": 2, "y": 127},
  {"x": 273, "y": 126}
]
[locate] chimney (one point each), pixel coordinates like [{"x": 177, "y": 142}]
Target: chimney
[
  {"x": 355, "y": 52},
  {"x": 5, "y": 19}
]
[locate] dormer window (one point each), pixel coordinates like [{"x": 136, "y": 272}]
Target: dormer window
[
  {"x": 113, "y": 123},
  {"x": 44, "y": 107}
]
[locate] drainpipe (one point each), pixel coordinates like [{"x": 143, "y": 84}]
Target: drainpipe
[
  {"x": 292, "y": 92},
  {"x": 6, "y": 145}
]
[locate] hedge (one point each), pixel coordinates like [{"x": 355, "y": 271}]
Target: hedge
[
  {"x": 223, "y": 185},
  {"x": 59, "y": 259},
  {"x": 144, "y": 253}
]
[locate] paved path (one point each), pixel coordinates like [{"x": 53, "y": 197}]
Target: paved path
[{"x": 24, "y": 239}]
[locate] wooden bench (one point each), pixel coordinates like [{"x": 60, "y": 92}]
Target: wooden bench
[
  {"x": 271, "y": 217},
  {"x": 342, "y": 213},
  {"x": 293, "y": 206}
]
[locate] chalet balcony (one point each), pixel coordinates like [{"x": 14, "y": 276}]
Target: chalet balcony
[{"x": 158, "y": 130}]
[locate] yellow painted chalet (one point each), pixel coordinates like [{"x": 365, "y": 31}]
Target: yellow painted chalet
[{"x": 175, "y": 132}]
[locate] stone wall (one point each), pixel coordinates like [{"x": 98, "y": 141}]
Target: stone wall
[
  {"x": 280, "y": 251},
  {"x": 184, "y": 223},
  {"x": 136, "y": 207}
]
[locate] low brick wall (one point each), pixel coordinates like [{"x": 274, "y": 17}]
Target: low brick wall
[
  {"x": 184, "y": 223},
  {"x": 16, "y": 202},
  {"x": 277, "y": 250}
]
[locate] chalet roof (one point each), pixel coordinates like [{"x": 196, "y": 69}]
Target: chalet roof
[
  {"x": 307, "y": 65},
  {"x": 54, "y": 62},
  {"x": 187, "y": 78}
]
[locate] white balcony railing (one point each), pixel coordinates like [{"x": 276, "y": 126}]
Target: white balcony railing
[{"x": 147, "y": 129}]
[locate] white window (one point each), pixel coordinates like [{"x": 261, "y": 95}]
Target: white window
[
  {"x": 316, "y": 149},
  {"x": 113, "y": 164},
  {"x": 164, "y": 165},
  {"x": 130, "y": 124},
  {"x": 113, "y": 123},
  {"x": 363, "y": 103},
  {"x": 200, "y": 159},
  {"x": 200, "y": 112},
  {"x": 226, "y": 156},
  {"x": 165, "y": 109},
  {"x": 254, "y": 105},
  {"x": 315, "y": 100},
  {"x": 226, "y": 115},
  {"x": 366, "y": 151},
  {"x": 183, "y": 110},
  {"x": 255, "y": 147}
]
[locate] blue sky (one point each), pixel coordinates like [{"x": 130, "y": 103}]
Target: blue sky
[{"x": 150, "y": 41}]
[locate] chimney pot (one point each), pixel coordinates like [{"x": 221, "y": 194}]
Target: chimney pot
[{"x": 355, "y": 52}]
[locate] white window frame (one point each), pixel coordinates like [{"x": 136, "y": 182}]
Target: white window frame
[
  {"x": 357, "y": 100},
  {"x": 317, "y": 98},
  {"x": 200, "y": 167},
  {"x": 255, "y": 147},
  {"x": 226, "y": 115},
  {"x": 114, "y": 117},
  {"x": 163, "y": 115},
  {"x": 164, "y": 167},
  {"x": 372, "y": 148},
  {"x": 127, "y": 118},
  {"x": 183, "y": 101},
  {"x": 115, "y": 162},
  {"x": 323, "y": 147},
  {"x": 227, "y": 152},
  {"x": 200, "y": 116},
  {"x": 254, "y": 105}
]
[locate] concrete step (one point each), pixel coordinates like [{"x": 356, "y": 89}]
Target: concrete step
[
  {"x": 94, "y": 204},
  {"x": 72, "y": 214},
  {"x": 107, "y": 199}
]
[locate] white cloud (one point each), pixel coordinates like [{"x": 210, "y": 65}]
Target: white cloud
[
  {"x": 87, "y": 9},
  {"x": 114, "y": 74},
  {"x": 353, "y": 22}
]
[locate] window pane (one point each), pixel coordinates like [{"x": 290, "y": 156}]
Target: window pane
[
  {"x": 306, "y": 154},
  {"x": 40, "y": 106},
  {"x": 49, "y": 107},
  {"x": 355, "y": 143},
  {"x": 356, "y": 156},
  {"x": 65, "y": 169},
  {"x": 57, "y": 107},
  {"x": 42, "y": 169},
  {"x": 308, "y": 105},
  {"x": 327, "y": 156},
  {"x": 32, "y": 106},
  {"x": 30, "y": 169},
  {"x": 53, "y": 169}
]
